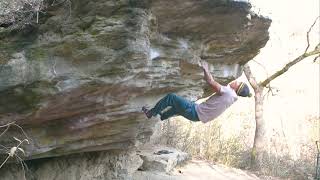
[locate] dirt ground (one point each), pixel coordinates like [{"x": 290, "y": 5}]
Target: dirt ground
[{"x": 201, "y": 170}]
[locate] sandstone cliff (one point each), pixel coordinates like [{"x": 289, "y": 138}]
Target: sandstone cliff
[{"x": 75, "y": 82}]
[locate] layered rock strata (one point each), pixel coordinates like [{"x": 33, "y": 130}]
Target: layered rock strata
[{"x": 75, "y": 82}]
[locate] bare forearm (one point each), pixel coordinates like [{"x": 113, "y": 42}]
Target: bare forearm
[
  {"x": 208, "y": 77},
  {"x": 211, "y": 82}
]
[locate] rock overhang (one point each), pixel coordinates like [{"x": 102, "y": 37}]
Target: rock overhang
[{"x": 77, "y": 82}]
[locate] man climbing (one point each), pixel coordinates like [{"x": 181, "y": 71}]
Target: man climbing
[{"x": 222, "y": 98}]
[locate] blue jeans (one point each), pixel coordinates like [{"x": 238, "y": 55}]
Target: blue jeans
[{"x": 179, "y": 106}]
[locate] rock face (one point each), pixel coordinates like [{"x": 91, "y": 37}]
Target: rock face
[
  {"x": 76, "y": 81},
  {"x": 127, "y": 165},
  {"x": 88, "y": 166}
]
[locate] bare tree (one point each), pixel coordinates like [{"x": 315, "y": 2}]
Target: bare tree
[
  {"x": 258, "y": 87},
  {"x": 17, "y": 14},
  {"x": 12, "y": 152},
  {"x": 20, "y": 12}
]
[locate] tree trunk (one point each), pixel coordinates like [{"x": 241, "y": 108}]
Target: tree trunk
[{"x": 259, "y": 137}]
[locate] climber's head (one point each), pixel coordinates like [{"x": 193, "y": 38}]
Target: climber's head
[{"x": 240, "y": 88}]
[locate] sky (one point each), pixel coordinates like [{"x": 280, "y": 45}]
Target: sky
[
  {"x": 290, "y": 22},
  {"x": 298, "y": 97}
]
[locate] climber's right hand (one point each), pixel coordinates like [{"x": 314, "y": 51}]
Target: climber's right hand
[{"x": 205, "y": 66}]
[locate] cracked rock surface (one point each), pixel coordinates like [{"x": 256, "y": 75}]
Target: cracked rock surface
[{"x": 76, "y": 81}]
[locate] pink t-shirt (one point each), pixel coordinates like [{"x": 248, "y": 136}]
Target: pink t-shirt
[{"x": 216, "y": 104}]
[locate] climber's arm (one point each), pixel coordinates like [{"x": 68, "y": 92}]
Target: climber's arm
[{"x": 209, "y": 79}]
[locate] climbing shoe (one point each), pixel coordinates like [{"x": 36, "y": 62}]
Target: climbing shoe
[{"x": 146, "y": 112}]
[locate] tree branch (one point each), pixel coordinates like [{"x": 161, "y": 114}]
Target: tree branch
[
  {"x": 287, "y": 66},
  {"x": 296, "y": 60},
  {"x": 252, "y": 80}
]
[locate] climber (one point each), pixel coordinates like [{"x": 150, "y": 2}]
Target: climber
[{"x": 222, "y": 98}]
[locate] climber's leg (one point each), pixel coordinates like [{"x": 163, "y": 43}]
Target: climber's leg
[
  {"x": 191, "y": 113},
  {"x": 179, "y": 106},
  {"x": 176, "y": 102},
  {"x": 168, "y": 114}
]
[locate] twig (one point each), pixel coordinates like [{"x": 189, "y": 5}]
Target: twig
[
  {"x": 7, "y": 124},
  {"x": 315, "y": 59},
  {"x": 37, "y": 16},
  {"x": 5, "y": 130},
  {"x": 54, "y": 68},
  {"x": 24, "y": 133},
  {"x": 7, "y": 127},
  {"x": 23, "y": 166},
  {"x": 4, "y": 161},
  {"x": 264, "y": 68},
  {"x": 309, "y": 32},
  {"x": 269, "y": 90},
  {"x": 4, "y": 147}
]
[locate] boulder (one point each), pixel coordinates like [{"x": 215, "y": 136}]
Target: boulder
[{"x": 76, "y": 80}]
